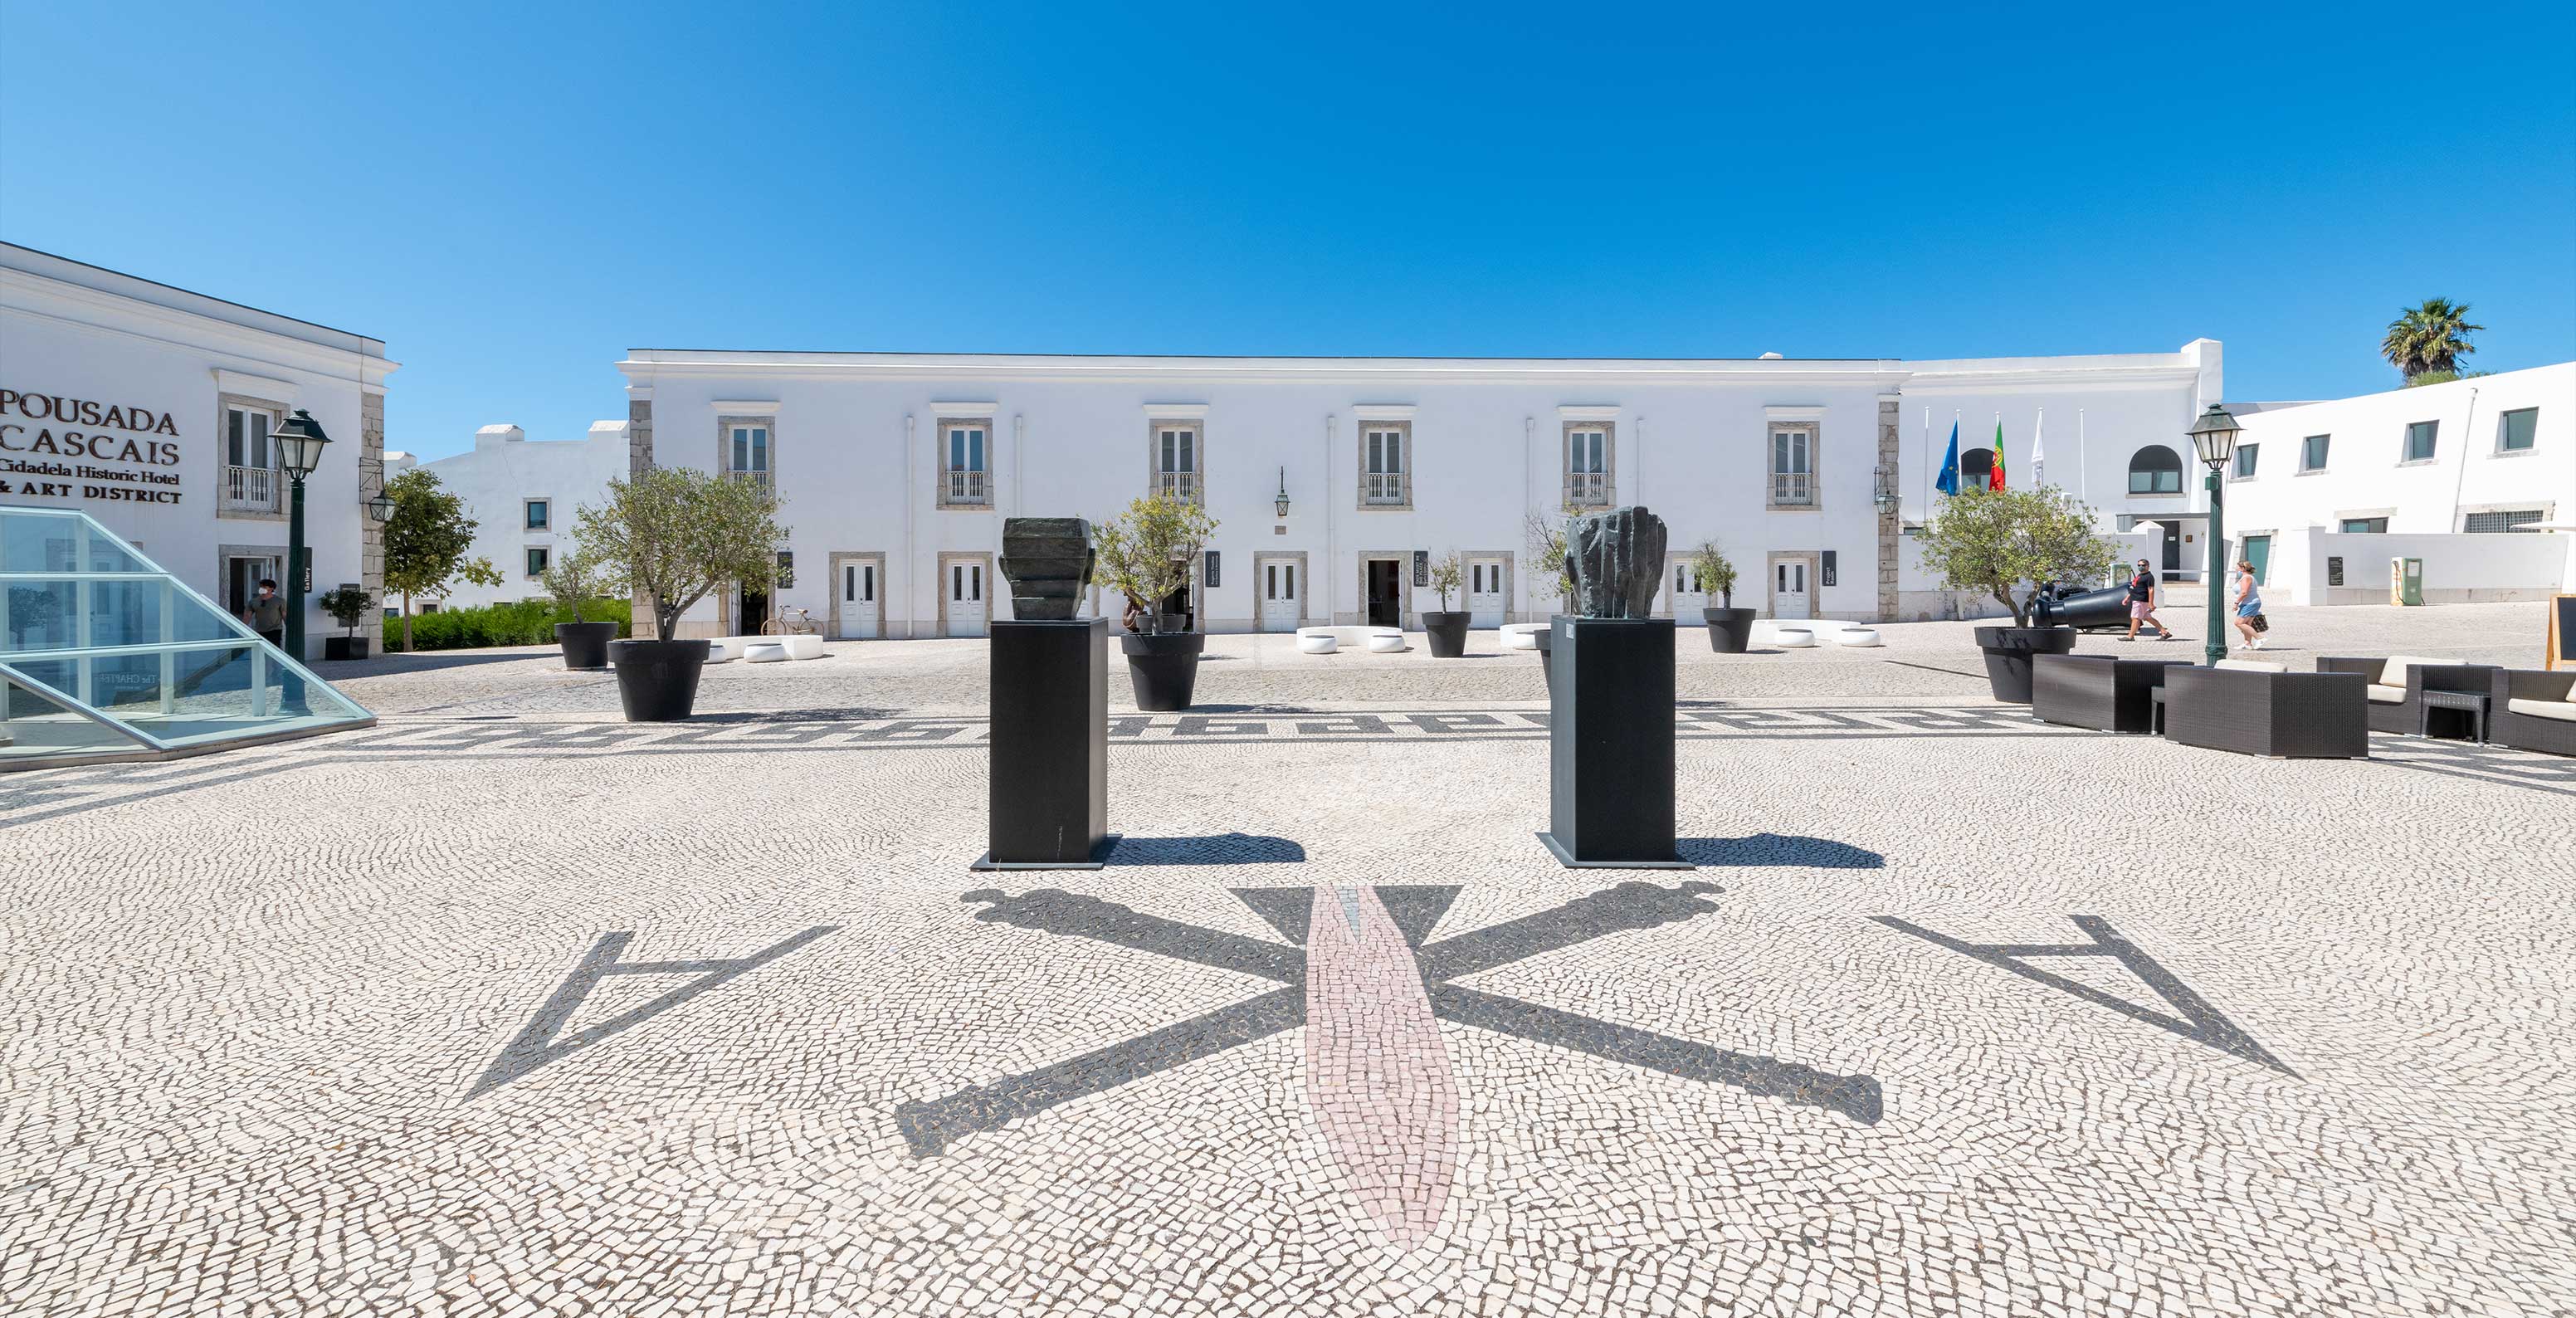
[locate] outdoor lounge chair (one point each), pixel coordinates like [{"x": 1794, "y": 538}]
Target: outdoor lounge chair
[
  {"x": 2398, "y": 683},
  {"x": 2097, "y": 691},
  {"x": 2291, "y": 715},
  {"x": 2534, "y": 711}
]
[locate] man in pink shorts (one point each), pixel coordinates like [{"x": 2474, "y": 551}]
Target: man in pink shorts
[{"x": 2142, "y": 604}]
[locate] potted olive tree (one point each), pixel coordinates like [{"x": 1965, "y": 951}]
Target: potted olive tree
[
  {"x": 1547, "y": 562},
  {"x": 348, "y": 607},
  {"x": 1729, "y": 628},
  {"x": 1145, "y": 553},
  {"x": 2005, "y": 543},
  {"x": 573, "y": 581},
  {"x": 1446, "y": 630},
  {"x": 674, "y": 534}
]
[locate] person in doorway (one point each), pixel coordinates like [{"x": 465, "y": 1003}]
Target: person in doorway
[
  {"x": 266, "y": 612},
  {"x": 2249, "y": 606},
  {"x": 2142, "y": 603}
]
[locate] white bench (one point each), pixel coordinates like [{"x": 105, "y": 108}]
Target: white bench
[
  {"x": 1327, "y": 640},
  {"x": 764, "y": 652},
  {"x": 1793, "y": 638},
  {"x": 1858, "y": 636},
  {"x": 722, "y": 648},
  {"x": 1522, "y": 635}
]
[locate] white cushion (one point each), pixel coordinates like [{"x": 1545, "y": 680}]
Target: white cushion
[
  {"x": 2393, "y": 673},
  {"x": 2562, "y": 710},
  {"x": 2252, "y": 666},
  {"x": 2386, "y": 694}
]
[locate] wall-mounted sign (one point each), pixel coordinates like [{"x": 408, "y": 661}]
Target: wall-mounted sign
[
  {"x": 57, "y": 447},
  {"x": 1212, "y": 581},
  {"x": 1422, "y": 567},
  {"x": 1827, "y": 572}
]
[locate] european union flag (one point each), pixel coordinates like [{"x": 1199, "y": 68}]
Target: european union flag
[{"x": 1949, "y": 481}]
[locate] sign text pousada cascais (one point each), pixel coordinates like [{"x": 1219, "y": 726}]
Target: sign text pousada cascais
[{"x": 50, "y": 445}]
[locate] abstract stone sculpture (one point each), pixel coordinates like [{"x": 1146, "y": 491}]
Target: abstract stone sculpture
[
  {"x": 1617, "y": 560},
  {"x": 1047, "y": 560}
]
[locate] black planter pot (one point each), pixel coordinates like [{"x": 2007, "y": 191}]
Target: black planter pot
[
  {"x": 1447, "y": 633},
  {"x": 1164, "y": 669},
  {"x": 657, "y": 681},
  {"x": 347, "y": 647},
  {"x": 585, "y": 644},
  {"x": 2008, "y": 652},
  {"x": 1729, "y": 630}
]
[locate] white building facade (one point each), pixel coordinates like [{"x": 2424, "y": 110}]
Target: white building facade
[
  {"x": 151, "y": 409},
  {"x": 521, "y": 495},
  {"x": 897, "y": 470}
]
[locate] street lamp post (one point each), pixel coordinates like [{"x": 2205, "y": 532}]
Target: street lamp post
[
  {"x": 299, "y": 451},
  {"x": 2213, "y": 437}
]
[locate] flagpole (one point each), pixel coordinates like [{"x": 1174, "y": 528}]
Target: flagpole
[
  {"x": 1927, "y": 462},
  {"x": 2081, "y": 465},
  {"x": 2038, "y": 439}
]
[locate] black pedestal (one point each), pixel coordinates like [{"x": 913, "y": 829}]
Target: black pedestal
[
  {"x": 1048, "y": 806},
  {"x": 1610, "y": 743}
]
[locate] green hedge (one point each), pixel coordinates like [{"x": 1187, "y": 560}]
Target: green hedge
[{"x": 528, "y": 622}]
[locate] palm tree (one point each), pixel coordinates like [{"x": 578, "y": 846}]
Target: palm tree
[{"x": 2432, "y": 337}]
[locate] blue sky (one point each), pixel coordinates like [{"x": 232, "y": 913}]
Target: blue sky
[{"x": 511, "y": 196}]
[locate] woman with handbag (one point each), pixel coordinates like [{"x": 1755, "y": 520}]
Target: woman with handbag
[{"x": 2249, "y": 618}]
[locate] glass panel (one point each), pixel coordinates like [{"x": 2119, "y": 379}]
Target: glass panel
[
  {"x": 236, "y": 438},
  {"x": 259, "y": 440},
  {"x": 2312, "y": 452},
  {"x": 868, "y": 582},
  {"x": 2419, "y": 440},
  {"x": 1292, "y": 581},
  {"x": 2520, "y": 427},
  {"x": 760, "y": 448},
  {"x": 1189, "y": 460},
  {"x": 974, "y": 450}
]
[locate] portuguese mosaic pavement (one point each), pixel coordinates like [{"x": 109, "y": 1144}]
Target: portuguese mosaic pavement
[{"x": 505, "y": 1007}]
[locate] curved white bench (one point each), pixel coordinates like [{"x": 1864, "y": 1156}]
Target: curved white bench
[
  {"x": 1376, "y": 640},
  {"x": 1316, "y": 644},
  {"x": 1858, "y": 636},
  {"x": 1522, "y": 635},
  {"x": 724, "y": 649},
  {"x": 764, "y": 652},
  {"x": 1793, "y": 638}
]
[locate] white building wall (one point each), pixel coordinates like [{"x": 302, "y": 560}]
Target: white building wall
[
  {"x": 73, "y": 331},
  {"x": 497, "y": 479}
]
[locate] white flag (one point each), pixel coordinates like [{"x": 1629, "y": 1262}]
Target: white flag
[{"x": 2038, "y": 431}]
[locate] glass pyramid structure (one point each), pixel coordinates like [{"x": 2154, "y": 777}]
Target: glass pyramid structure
[{"x": 104, "y": 656}]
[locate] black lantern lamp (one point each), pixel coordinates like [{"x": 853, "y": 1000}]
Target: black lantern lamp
[
  {"x": 2213, "y": 438},
  {"x": 380, "y": 509},
  {"x": 1281, "y": 503}
]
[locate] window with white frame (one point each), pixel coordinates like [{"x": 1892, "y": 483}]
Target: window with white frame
[
  {"x": 538, "y": 557},
  {"x": 540, "y": 515},
  {"x": 1587, "y": 466},
  {"x": 251, "y": 481},
  {"x": 747, "y": 450},
  {"x": 2419, "y": 440},
  {"x": 962, "y": 460},
  {"x": 2245, "y": 460},
  {"x": 1176, "y": 459},
  {"x": 1793, "y": 473},
  {"x": 1384, "y": 478},
  {"x": 2517, "y": 429},
  {"x": 2312, "y": 452}
]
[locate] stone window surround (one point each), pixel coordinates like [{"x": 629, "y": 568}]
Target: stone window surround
[
  {"x": 2304, "y": 468},
  {"x": 1366, "y": 418},
  {"x": 2500, "y": 451},
  {"x": 1191, "y": 417},
  {"x": 1305, "y": 575},
  {"x": 1604, "y": 419},
  {"x": 525, "y": 503},
  {"x": 225, "y": 554},
  {"x": 525, "y": 550},
  {"x": 947, "y": 557},
  {"x": 1811, "y": 420},
  {"x": 1815, "y": 561},
  {"x": 1403, "y": 560},
  {"x": 731, "y": 412},
  {"x": 840, "y": 558},
  {"x": 226, "y": 401},
  {"x": 944, "y": 415}
]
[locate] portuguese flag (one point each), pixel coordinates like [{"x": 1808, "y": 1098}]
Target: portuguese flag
[{"x": 1996, "y": 481}]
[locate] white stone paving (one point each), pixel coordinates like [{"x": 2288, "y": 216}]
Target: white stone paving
[{"x": 254, "y": 1001}]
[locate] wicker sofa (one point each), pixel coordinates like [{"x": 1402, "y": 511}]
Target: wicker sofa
[
  {"x": 2253, "y": 712},
  {"x": 2397, "y": 685},
  {"x": 2527, "y": 714},
  {"x": 2097, "y": 691}
]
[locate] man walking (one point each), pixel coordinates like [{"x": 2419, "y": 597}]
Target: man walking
[
  {"x": 2142, "y": 604},
  {"x": 266, "y": 613}
]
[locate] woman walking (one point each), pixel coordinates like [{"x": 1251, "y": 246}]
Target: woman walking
[{"x": 2249, "y": 606}]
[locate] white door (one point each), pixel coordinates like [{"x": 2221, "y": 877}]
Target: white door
[
  {"x": 1485, "y": 603},
  {"x": 1688, "y": 595},
  {"x": 965, "y": 598},
  {"x": 1276, "y": 579},
  {"x": 859, "y": 611},
  {"x": 1789, "y": 589}
]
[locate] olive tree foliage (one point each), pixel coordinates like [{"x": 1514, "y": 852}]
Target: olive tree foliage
[
  {"x": 426, "y": 540},
  {"x": 674, "y": 534},
  {"x": 578, "y": 578},
  {"x": 1716, "y": 572},
  {"x": 1545, "y": 544},
  {"x": 2001, "y": 541},
  {"x": 1146, "y": 551},
  {"x": 1446, "y": 576}
]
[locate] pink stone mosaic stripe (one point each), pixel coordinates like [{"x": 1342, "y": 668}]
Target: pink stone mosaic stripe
[{"x": 1377, "y": 1075}]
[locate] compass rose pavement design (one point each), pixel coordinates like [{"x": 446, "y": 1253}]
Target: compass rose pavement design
[{"x": 1356, "y": 970}]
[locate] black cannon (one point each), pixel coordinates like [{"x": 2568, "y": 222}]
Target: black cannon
[{"x": 2084, "y": 610}]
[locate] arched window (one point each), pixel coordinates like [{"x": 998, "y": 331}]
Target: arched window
[
  {"x": 2155, "y": 469},
  {"x": 1976, "y": 468}
]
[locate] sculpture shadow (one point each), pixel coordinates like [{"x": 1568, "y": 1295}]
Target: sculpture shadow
[
  {"x": 1212, "y": 849},
  {"x": 1778, "y": 849}
]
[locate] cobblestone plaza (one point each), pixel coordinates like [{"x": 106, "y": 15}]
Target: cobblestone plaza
[{"x": 508, "y": 1006}]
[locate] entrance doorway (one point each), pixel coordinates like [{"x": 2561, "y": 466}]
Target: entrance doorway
[
  {"x": 751, "y": 612},
  {"x": 965, "y": 598},
  {"x": 2258, "y": 551},
  {"x": 1177, "y": 615},
  {"x": 1486, "y": 599},
  {"x": 1789, "y": 589},
  {"x": 242, "y": 575},
  {"x": 1688, "y": 595},
  {"x": 1281, "y": 607},
  {"x": 1384, "y": 590},
  {"x": 855, "y": 604}
]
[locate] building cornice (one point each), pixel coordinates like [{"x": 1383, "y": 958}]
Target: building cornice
[{"x": 255, "y": 350}]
